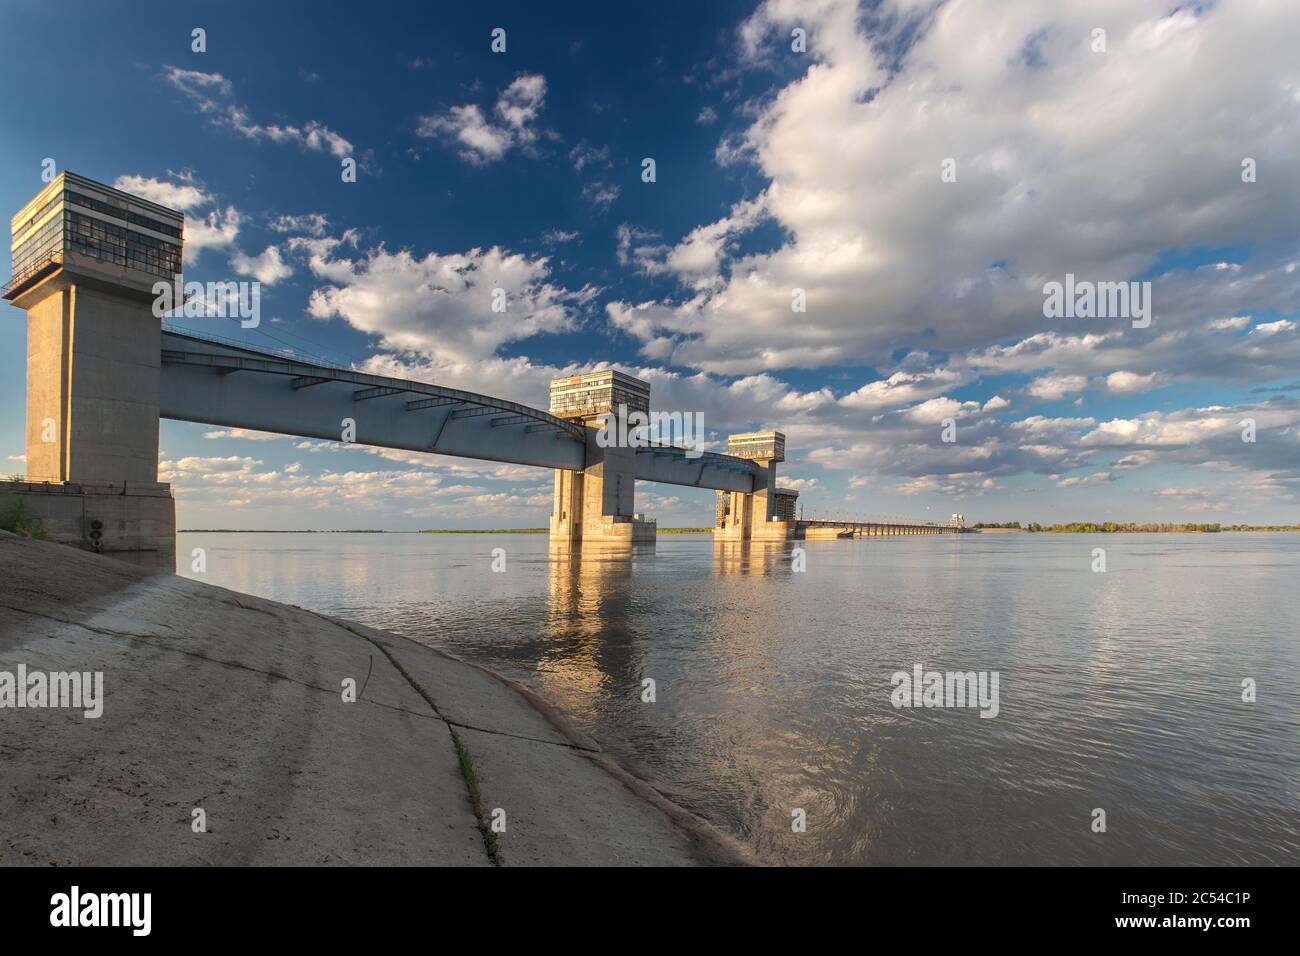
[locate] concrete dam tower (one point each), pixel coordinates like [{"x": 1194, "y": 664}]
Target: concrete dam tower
[
  {"x": 85, "y": 259},
  {"x": 596, "y": 505},
  {"x": 767, "y": 513}
]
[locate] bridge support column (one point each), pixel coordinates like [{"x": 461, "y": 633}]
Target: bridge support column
[
  {"x": 766, "y": 526},
  {"x": 595, "y": 505},
  {"x": 93, "y": 359},
  {"x": 736, "y": 519},
  {"x": 566, "y": 509}
]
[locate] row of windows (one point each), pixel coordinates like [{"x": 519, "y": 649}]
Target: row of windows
[
  {"x": 574, "y": 400},
  {"x": 118, "y": 256},
  {"x": 85, "y": 225},
  {"x": 88, "y": 202},
  {"x": 47, "y": 238},
  {"x": 118, "y": 213},
  {"x": 757, "y": 449},
  {"x": 99, "y": 239},
  {"x": 110, "y": 243},
  {"x": 58, "y": 198}
]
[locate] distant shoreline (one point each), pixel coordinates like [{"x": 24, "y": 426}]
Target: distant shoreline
[
  {"x": 422, "y": 531},
  {"x": 1128, "y": 530}
]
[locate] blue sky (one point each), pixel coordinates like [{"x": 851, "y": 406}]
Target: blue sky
[{"x": 776, "y": 169}]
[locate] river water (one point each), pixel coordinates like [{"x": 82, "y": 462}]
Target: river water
[{"x": 1118, "y": 691}]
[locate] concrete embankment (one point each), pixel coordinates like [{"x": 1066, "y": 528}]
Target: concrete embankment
[{"x": 219, "y": 702}]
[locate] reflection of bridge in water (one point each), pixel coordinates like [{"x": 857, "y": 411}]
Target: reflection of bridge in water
[{"x": 101, "y": 371}]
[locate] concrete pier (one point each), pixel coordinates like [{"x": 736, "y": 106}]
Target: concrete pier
[{"x": 132, "y": 521}]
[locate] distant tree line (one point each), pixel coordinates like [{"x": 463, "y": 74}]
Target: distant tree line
[{"x": 1121, "y": 527}]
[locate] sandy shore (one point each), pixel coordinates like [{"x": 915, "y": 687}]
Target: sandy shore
[{"x": 233, "y": 705}]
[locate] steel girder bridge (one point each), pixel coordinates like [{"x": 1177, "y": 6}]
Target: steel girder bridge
[{"x": 215, "y": 381}]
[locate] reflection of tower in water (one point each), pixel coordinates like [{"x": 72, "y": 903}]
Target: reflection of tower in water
[
  {"x": 751, "y": 557},
  {"x": 592, "y": 637},
  {"x": 600, "y": 630}
]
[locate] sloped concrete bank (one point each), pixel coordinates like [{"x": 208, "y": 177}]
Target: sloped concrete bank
[{"x": 225, "y": 739}]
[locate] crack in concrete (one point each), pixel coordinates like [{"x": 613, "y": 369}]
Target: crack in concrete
[
  {"x": 491, "y": 846},
  {"x": 158, "y": 640},
  {"x": 506, "y": 733}
]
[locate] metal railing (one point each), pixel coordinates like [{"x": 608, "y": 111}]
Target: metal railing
[
  {"x": 257, "y": 358},
  {"x": 297, "y": 355},
  {"x": 32, "y": 271},
  {"x": 883, "y": 521}
]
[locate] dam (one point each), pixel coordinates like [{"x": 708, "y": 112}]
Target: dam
[{"x": 90, "y": 263}]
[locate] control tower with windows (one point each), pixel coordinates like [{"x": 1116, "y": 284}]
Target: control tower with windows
[
  {"x": 85, "y": 260},
  {"x": 596, "y": 505},
  {"x": 761, "y": 515}
]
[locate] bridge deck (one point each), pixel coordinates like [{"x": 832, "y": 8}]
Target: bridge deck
[{"x": 216, "y": 381}]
